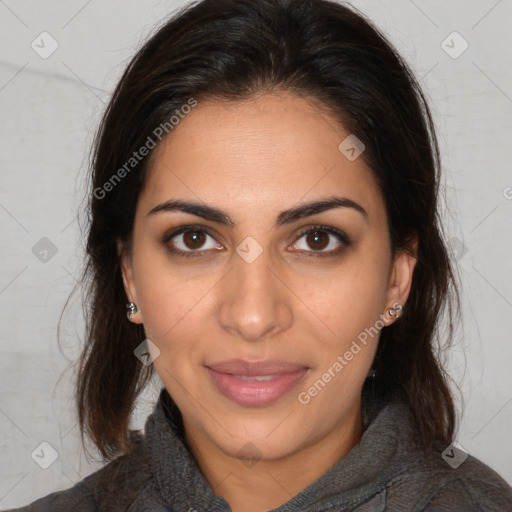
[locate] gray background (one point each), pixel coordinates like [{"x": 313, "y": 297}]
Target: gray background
[{"x": 50, "y": 109}]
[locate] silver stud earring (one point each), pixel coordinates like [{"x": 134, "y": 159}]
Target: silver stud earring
[
  {"x": 131, "y": 309},
  {"x": 395, "y": 311}
]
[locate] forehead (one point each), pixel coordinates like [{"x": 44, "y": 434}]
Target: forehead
[{"x": 270, "y": 151}]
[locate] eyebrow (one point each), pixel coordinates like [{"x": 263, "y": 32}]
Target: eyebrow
[{"x": 285, "y": 217}]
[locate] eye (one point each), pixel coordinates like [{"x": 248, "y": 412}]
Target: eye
[
  {"x": 188, "y": 240},
  {"x": 320, "y": 240}
]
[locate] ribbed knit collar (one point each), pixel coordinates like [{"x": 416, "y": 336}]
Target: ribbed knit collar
[{"x": 383, "y": 452}]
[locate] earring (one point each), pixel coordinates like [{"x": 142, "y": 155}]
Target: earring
[
  {"x": 396, "y": 310},
  {"x": 131, "y": 309}
]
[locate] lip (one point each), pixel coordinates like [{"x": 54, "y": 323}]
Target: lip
[{"x": 228, "y": 376}]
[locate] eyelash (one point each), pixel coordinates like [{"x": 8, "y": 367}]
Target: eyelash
[{"x": 342, "y": 237}]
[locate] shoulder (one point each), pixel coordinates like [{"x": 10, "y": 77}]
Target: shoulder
[
  {"x": 113, "y": 486},
  {"x": 472, "y": 484},
  {"x": 76, "y": 498},
  {"x": 439, "y": 479},
  {"x": 430, "y": 484}
]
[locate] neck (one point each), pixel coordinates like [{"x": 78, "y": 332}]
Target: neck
[{"x": 256, "y": 486}]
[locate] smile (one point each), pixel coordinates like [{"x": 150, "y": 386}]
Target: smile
[{"x": 255, "y": 384}]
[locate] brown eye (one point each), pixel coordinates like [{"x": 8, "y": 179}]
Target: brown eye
[
  {"x": 317, "y": 240},
  {"x": 193, "y": 239},
  {"x": 190, "y": 241}
]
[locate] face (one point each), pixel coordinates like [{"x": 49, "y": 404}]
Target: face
[{"x": 266, "y": 312}]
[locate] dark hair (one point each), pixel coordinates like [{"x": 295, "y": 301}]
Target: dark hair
[{"x": 233, "y": 50}]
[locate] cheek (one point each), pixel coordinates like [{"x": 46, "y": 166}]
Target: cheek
[
  {"x": 165, "y": 289},
  {"x": 349, "y": 305},
  {"x": 171, "y": 305},
  {"x": 172, "y": 317},
  {"x": 352, "y": 296}
]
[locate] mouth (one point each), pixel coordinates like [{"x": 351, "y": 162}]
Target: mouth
[{"x": 255, "y": 384}]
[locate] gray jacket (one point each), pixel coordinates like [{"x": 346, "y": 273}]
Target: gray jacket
[{"x": 385, "y": 471}]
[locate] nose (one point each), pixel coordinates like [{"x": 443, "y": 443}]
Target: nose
[{"x": 255, "y": 301}]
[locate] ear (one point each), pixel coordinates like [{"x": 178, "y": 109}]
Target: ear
[
  {"x": 402, "y": 272},
  {"x": 128, "y": 279}
]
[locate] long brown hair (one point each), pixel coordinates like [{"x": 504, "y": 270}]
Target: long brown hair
[{"x": 234, "y": 49}]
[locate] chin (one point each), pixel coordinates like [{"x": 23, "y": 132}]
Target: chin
[{"x": 270, "y": 438}]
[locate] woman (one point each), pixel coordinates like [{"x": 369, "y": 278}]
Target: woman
[{"x": 264, "y": 206}]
